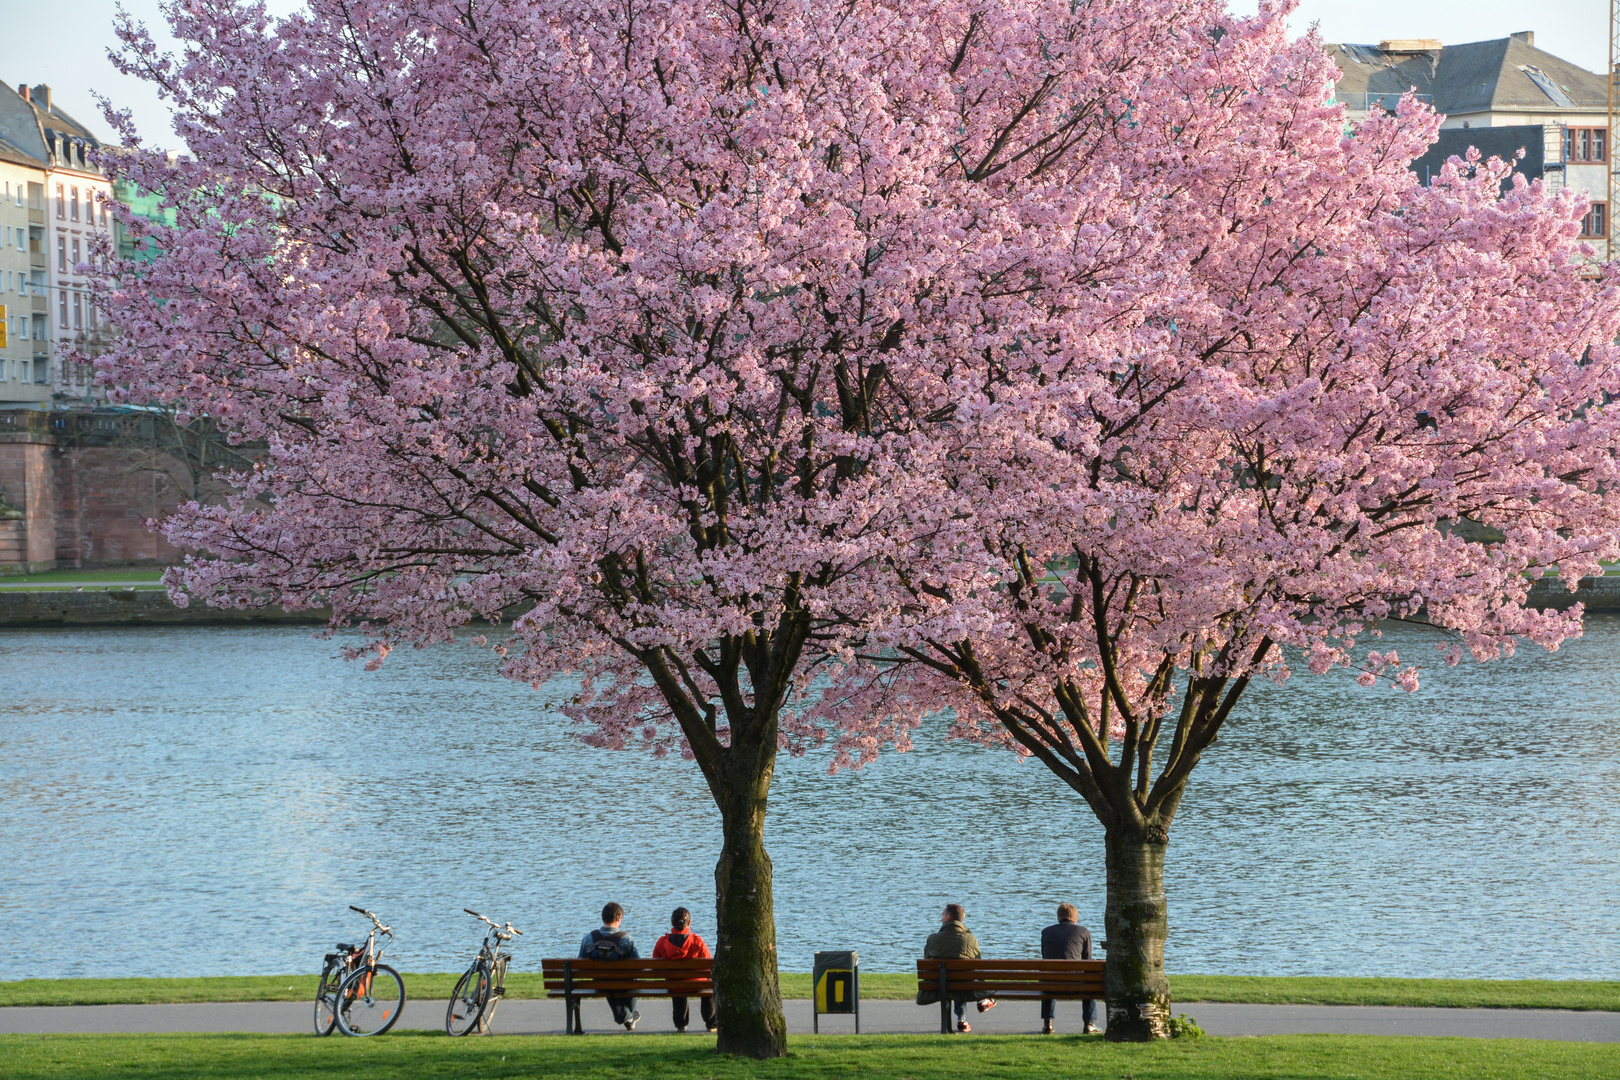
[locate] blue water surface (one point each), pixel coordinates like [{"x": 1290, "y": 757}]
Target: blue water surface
[{"x": 195, "y": 801}]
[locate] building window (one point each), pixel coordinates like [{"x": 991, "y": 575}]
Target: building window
[
  {"x": 103, "y": 213},
  {"x": 61, "y": 254},
  {"x": 61, "y": 308},
  {"x": 61, "y": 203},
  {"x": 1596, "y": 221},
  {"x": 73, "y": 205},
  {"x": 76, "y": 255},
  {"x": 78, "y": 313},
  {"x": 1586, "y": 144}
]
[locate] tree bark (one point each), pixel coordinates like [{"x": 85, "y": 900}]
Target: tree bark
[
  {"x": 1137, "y": 923},
  {"x": 747, "y": 996}
]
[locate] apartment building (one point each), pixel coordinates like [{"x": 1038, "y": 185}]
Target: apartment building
[
  {"x": 1501, "y": 96},
  {"x": 25, "y": 368},
  {"x": 72, "y": 213}
]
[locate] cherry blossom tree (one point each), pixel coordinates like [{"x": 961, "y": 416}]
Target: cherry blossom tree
[
  {"x": 1334, "y": 387},
  {"x": 798, "y": 368},
  {"x": 630, "y": 316}
]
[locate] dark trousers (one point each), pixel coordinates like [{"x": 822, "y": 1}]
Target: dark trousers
[
  {"x": 622, "y": 1008},
  {"x": 683, "y": 1011},
  {"x": 1088, "y": 1010}
]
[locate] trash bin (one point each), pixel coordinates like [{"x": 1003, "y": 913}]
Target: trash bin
[{"x": 836, "y": 986}]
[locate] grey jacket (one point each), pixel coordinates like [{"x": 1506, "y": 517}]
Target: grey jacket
[{"x": 1066, "y": 941}]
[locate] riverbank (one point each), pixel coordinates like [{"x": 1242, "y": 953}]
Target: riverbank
[
  {"x": 61, "y": 599},
  {"x": 1185, "y": 989},
  {"x": 408, "y": 1056}
]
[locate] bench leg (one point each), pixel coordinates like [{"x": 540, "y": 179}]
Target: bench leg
[{"x": 944, "y": 1017}]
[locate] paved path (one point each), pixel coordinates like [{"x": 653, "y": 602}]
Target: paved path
[{"x": 527, "y": 1017}]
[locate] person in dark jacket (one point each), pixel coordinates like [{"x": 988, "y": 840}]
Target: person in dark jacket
[
  {"x": 682, "y": 944},
  {"x": 611, "y": 943},
  {"x": 1067, "y": 940},
  {"x": 954, "y": 941}
]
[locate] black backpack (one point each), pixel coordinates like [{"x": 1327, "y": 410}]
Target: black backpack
[{"x": 604, "y": 945}]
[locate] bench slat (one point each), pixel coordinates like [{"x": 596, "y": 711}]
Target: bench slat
[
  {"x": 1013, "y": 965},
  {"x": 1015, "y": 979},
  {"x": 687, "y": 977}
]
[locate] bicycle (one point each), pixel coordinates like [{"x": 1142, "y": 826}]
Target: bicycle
[
  {"x": 478, "y": 994},
  {"x": 358, "y": 995}
]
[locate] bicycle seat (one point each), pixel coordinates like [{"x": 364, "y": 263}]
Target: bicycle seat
[{"x": 346, "y": 948}]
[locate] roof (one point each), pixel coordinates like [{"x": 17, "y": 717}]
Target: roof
[
  {"x": 39, "y": 128},
  {"x": 1507, "y": 74}
]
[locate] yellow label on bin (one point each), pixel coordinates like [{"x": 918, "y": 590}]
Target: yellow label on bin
[{"x": 833, "y": 990}]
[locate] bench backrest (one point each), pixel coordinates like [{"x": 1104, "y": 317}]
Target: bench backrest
[
  {"x": 1014, "y": 978},
  {"x": 628, "y": 978}
]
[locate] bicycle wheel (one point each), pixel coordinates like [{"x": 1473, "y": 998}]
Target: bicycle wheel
[
  {"x": 326, "y": 995},
  {"x": 370, "y": 1000},
  {"x": 468, "y": 1001}
]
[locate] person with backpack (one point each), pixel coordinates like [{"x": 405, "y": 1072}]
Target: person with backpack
[
  {"x": 682, "y": 944},
  {"x": 611, "y": 943}
]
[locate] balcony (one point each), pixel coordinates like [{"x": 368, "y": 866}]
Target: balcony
[
  {"x": 36, "y": 217},
  {"x": 41, "y": 302}
]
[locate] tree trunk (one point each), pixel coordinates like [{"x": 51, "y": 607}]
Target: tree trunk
[
  {"x": 1138, "y": 992},
  {"x": 747, "y": 995}
]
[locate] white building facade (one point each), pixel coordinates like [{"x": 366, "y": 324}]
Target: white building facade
[{"x": 67, "y": 206}]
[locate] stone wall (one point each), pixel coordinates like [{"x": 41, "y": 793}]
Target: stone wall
[
  {"x": 128, "y": 607},
  {"x": 85, "y": 483}
]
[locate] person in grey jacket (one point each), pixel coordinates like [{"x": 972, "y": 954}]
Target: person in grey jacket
[
  {"x": 611, "y": 943},
  {"x": 1067, "y": 940},
  {"x": 954, "y": 941}
]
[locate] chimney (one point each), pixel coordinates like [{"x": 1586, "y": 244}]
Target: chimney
[
  {"x": 23, "y": 90},
  {"x": 42, "y": 97},
  {"x": 1526, "y": 36}
]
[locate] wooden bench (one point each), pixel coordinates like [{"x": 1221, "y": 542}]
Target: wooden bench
[
  {"x": 575, "y": 980},
  {"x": 1028, "y": 980}
]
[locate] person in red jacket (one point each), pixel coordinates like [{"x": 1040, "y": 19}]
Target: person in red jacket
[{"x": 681, "y": 944}]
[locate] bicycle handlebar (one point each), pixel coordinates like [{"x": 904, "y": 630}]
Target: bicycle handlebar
[
  {"x": 510, "y": 929},
  {"x": 378, "y": 923}
]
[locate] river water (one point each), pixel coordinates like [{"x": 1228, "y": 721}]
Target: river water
[{"x": 194, "y": 801}]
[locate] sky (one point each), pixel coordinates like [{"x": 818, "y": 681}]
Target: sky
[{"x": 64, "y": 43}]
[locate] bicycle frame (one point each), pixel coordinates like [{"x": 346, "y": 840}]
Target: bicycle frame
[{"x": 372, "y": 956}]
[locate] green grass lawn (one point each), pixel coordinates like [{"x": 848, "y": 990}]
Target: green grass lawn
[
  {"x": 51, "y": 580},
  {"x": 811, "y": 1057},
  {"x": 1453, "y": 993}
]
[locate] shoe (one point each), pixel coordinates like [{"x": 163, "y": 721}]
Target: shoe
[
  {"x": 987, "y": 1004},
  {"x": 630, "y": 1021},
  {"x": 1091, "y": 1029},
  {"x": 713, "y": 1028},
  {"x": 680, "y": 1031},
  {"x": 1046, "y": 1027},
  {"x": 963, "y": 1027}
]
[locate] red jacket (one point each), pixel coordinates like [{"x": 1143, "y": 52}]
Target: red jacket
[{"x": 690, "y": 947}]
